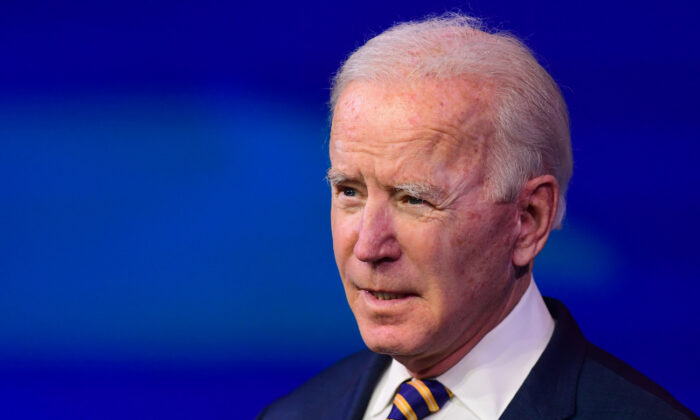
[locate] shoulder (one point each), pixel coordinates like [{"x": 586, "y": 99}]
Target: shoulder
[
  {"x": 610, "y": 388},
  {"x": 341, "y": 385},
  {"x": 575, "y": 379}
]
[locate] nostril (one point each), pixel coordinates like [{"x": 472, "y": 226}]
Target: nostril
[
  {"x": 376, "y": 253},
  {"x": 383, "y": 261}
]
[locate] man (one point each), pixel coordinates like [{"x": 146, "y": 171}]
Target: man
[{"x": 450, "y": 158}]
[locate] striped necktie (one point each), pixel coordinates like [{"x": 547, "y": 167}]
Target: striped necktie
[{"x": 417, "y": 399}]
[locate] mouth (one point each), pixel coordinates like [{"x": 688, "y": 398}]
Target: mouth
[{"x": 387, "y": 295}]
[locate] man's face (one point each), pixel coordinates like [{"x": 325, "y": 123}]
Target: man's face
[{"x": 425, "y": 258}]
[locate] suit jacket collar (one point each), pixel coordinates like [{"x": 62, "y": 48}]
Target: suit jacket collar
[{"x": 549, "y": 391}]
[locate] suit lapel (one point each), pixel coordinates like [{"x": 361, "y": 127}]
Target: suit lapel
[
  {"x": 549, "y": 391},
  {"x": 354, "y": 404}
]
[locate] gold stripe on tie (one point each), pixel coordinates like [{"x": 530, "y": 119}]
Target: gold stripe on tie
[
  {"x": 426, "y": 394},
  {"x": 405, "y": 407}
]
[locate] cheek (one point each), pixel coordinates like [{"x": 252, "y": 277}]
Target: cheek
[
  {"x": 465, "y": 242},
  {"x": 439, "y": 257},
  {"x": 466, "y": 230},
  {"x": 344, "y": 232},
  {"x": 485, "y": 247},
  {"x": 421, "y": 243}
]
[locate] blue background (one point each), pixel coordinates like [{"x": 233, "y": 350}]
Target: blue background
[{"x": 165, "y": 249}]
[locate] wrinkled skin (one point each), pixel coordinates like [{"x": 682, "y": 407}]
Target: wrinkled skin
[{"x": 410, "y": 217}]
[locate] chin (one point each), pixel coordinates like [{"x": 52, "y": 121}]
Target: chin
[{"x": 389, "y": 340}]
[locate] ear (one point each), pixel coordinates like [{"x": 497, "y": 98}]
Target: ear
[{"x": 537, "y": 207}]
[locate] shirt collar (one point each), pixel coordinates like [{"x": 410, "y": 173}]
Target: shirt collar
[{"x": 487, "y": 378}]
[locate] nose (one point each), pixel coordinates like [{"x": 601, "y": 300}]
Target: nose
[{"x": 376, "y": 241}]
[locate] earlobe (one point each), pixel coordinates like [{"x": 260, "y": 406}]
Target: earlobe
[{"x": 537, "y": 205}]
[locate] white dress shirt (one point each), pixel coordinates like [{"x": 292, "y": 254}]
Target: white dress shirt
[{"x": 487, "y": 378}]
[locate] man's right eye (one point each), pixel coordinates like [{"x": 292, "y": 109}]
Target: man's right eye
[{"x": 348, "y": 192}]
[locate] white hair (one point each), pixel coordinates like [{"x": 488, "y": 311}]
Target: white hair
[{"x": 529, "y": 114}]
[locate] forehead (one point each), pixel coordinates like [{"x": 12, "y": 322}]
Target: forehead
[
  {"x": 451, "y": 99},
  {"x": 428, "y": 124}
]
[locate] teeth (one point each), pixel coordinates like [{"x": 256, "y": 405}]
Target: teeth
[{"x": 387, "y": 296}]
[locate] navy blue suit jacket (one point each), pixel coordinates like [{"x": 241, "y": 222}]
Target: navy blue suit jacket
[{"x": 573, "y": 379}]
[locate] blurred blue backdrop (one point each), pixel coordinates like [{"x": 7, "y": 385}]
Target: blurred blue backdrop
[{"x": 165, "y": 249}]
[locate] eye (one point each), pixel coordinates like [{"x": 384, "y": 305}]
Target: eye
[
  {"x": 415, "y": 201},
  {"x": 348, "y": 192}
]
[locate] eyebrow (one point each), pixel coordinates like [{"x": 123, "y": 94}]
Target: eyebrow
[
  {"x": 420, "y": 190},
  {"x": 414, "y": 189},
  {"x": 335, "y": 177}
]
